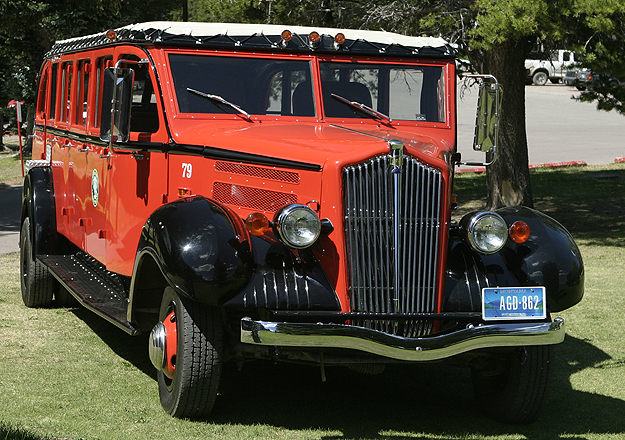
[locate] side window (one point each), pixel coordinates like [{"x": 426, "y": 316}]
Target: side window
[
  {"x": 101, "y": 64},
  {"x": 566, "y": 56},
  {"x": 82, "y": 89},
  {"x": 42, "y": 95},
  {"x": 66, "y": 90},
  {"x": 53, "y": 90},
  {"x": 144, "y": 111}
]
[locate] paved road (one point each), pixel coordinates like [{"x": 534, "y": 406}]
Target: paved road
[
  {"x": 558, "y": 130},
  {"x": 10, "y": 201}
]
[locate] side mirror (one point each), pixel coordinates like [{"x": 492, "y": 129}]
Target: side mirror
[
  {"x": 116, "y": 104},
  {"x": 487, "y": 119}
]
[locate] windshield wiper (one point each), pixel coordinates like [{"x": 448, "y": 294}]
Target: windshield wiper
[
  {"x": 365, "y": 109},
  {"x": 220, "y": 100}
]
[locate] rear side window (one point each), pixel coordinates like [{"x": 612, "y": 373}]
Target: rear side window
[
  {"x": 101, "y": 64},
  {"x": 66, "y": 90},
  {"x": 53, "y": 90},
  {"x": 82, "y": 89},
  {"x": 42, "y": 93}
]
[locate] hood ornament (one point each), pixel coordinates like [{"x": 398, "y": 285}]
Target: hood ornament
[{"x": 397, "y": 155}]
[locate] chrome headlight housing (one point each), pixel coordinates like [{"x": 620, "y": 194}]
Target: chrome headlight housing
[
  {"x": 487, "y": 232},
  {"x": 297, "y": 226}
]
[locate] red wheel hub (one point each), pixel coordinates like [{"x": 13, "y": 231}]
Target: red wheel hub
[{"x": 171, "y": 344}]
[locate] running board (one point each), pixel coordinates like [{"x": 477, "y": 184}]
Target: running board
[{"x": 99, "y": 290}]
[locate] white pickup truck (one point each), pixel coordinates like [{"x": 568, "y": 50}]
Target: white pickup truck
[{"x": 543, "y": 66}]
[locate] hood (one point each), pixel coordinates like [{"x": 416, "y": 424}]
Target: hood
[{"x": 316, "y": 143}]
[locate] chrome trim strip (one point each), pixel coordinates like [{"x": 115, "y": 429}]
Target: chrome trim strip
[
  {"x": 397, "y": 161},
  {"x": 284, "y": 334}
]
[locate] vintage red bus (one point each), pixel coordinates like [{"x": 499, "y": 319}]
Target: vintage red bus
[{"x": 285, "y": 193}]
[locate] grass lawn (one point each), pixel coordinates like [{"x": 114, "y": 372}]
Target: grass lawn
[
  {"x": 10, "y": 166},
  {"x": 68, "y": 374}
]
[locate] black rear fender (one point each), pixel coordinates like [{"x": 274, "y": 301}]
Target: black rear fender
[{"x": 38, "y": 204}]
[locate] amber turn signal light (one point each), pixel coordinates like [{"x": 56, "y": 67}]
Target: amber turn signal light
[
  {"x": 314, "y": 37},
  {"x": 111, "y": 35},
  {"x": 286, "y": 35},
  {"x": 519, "y": 232},
  {"x": 257, "y": 224},
  {"x": 184, "y": 192}
]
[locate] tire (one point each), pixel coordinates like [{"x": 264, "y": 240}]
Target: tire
[
  {"x": 515, "y": 391},
  {"x": 540, "y": 78},
  {"x": 192, "y": 391},
  {"x": 37, "y": 282},
  {"x": 65, "y": 299}
]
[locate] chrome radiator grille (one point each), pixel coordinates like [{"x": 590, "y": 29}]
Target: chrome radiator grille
[{"x": 392, "y": 229}]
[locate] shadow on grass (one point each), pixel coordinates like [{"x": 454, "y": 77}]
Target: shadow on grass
[
  {"x": 134, "y": 349},
  {"x": 431, "y": 400},
  {"x": 12, "y": 433}
]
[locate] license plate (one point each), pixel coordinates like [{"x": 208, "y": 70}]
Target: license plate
[{"x": 513, "y": 303}]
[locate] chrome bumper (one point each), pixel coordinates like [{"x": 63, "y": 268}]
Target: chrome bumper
[{"x": 284, "y": 334}]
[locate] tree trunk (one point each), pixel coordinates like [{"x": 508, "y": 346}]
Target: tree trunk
[
  {"x": 508, "y": 179},
  {"x": 1, "y": 131}
]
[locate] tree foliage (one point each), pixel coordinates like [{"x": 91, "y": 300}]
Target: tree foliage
[
  {"x": 602, "y": 45},
  {"x": 496, "y": 35},
  {"x": 30, "y": 27}
]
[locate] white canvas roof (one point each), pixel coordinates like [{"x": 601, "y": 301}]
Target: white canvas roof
[
  {"x": 242, "y": 30},
  {"x": 260, "y": 36}
]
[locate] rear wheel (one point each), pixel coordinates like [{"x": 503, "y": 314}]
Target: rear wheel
[
  {"x": 65, "y": 299},
  {"x": 189, "y": 378},
  {"x": 36, "y": 280},
  {"x": 515, "y": 389}
]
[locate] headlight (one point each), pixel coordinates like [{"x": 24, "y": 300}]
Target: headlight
[
  {"x": 487, "y": 232},
  {"x": 298, "y": 226}
]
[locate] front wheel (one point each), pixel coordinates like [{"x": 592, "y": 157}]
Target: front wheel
[
  {"x": 540, "y": 78},
  {"x": 37, "y": 282},
  {"x": 189, "y": 377},
  {"x": 515, "y": 387}
]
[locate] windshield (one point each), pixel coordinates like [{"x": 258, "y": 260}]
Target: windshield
[
  {"x": 414, "y": 93},
  {"x": 254, "y": 85},
  {"x": 246, "y": 86}
]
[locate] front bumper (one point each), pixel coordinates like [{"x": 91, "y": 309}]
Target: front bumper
[{"x": 320, "y": 336}]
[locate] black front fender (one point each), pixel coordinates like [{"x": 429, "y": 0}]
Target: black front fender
[
  {"x": 200, "y": 250},
  {"x": 549, "y": 258}
]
